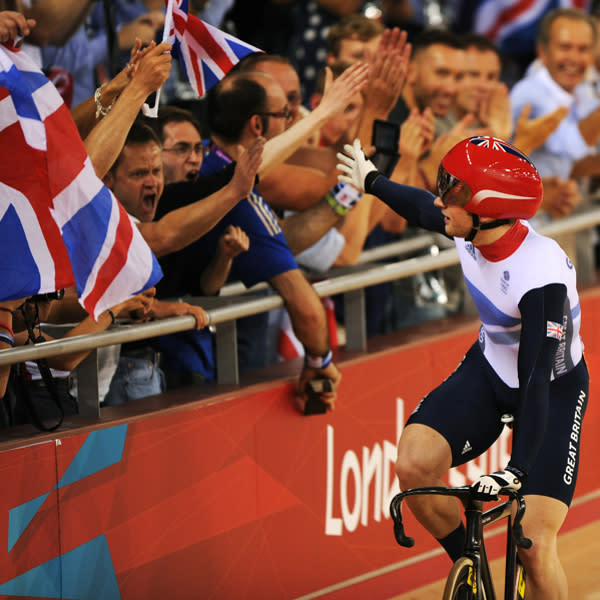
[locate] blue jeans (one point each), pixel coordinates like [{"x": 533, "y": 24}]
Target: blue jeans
[{"x": 134, "y": 378}]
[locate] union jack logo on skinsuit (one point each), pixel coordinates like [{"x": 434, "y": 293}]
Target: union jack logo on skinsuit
[
  {"x": 555, "y": 330},
  {"x": 206, "y": 54}
]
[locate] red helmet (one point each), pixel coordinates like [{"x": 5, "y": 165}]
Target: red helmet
[{"x": 490, "y": 178}]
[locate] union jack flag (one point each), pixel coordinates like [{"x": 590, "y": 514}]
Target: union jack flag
[
  {"x": 555, "y": 330},
  {"x": 205, "y": 53},
  {"x": 59, "y": 225}
]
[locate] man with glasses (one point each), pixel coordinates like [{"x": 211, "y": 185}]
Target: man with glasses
[
  {"x": 527, "y": 361},
  {"x": 182, "y": 147}
]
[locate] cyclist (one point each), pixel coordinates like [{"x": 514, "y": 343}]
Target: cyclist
[{"x": 527, "y": 361}]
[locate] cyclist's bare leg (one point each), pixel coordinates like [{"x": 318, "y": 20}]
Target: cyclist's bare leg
[
  {"x": 546, "y": 579},
  {"x": 424, "y": 457}
]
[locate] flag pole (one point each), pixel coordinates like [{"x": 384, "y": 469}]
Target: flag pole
[{"x": 152, "y": 111}]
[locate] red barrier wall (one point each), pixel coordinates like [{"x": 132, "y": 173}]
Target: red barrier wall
[{"x": 244, "y": 498}]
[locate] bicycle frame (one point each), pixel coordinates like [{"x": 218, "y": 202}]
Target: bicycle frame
[{"x": 474, "y": 551}]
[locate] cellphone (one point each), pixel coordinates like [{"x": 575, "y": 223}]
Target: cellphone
[
  {"x": 314, "y": 405},
  {"x": 385, "y": 138}
]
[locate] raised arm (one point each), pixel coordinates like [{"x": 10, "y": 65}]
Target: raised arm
[
  {"x": 414, "y": 204},
  {"x": 336, "y": 97},
  {"x": 105, "y": 141}
]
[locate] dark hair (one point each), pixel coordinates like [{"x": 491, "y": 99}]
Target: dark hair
[
  {"x": 232, "y": 102},
  {"x": 429, "y": 37},
  {"x": 353, "y": 27},
  {"x": 172, "y": 114},
  {"x": 249, "y": 62},
  {"x": 543, "y": 33},
  {"x": 479, "y": 42},
  {"x": 140, "y": 133}
]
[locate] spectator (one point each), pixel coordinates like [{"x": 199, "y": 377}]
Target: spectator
[
  {"x": 566, "y": 44},
  {"x": 182, "y": 147},
  {"x": 354, "y": 38},
  {"x": 41, "y": 391},
  {"x": 481, "y": 93},
  {"x": 136, "y": 179},
  {"x": 308, "y": 174},
  {"x": 281, "y": 69},
  {"x": 308, "y": 45}
]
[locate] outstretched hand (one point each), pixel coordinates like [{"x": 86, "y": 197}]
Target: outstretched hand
[{"x": 354, "y": 166}]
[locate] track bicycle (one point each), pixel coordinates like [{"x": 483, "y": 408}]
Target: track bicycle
[{"x": 470, "y": 577}]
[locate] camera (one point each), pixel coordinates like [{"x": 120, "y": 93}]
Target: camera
[
  {"x": 314, "y": 405},
  {"x": 385, "y": 138}
]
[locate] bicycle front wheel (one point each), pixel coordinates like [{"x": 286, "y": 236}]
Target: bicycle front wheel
[{"x": 461, "y": 583}]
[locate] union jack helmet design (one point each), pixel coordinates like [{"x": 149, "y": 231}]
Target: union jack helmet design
[{"x": 490, "y": 178}]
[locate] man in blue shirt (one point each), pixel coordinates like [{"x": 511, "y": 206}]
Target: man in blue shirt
[{"x": 566, "y": 42}]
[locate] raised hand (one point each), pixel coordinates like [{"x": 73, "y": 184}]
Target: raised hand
[
  {"x": 495, "y": 112},
  {"x": 338, "y": 94},
  {"x": 152, "y": 67},
  {"x": 247, "y": 166},
  {"x": 14, "y": 25},
  {"x": 530, "y": 134},
  {"x": 561, "y": 196},
  {"x": 387, "y": 74},
  {"x": 354, "y": 166},
  {"x": 234, "y": 241}
]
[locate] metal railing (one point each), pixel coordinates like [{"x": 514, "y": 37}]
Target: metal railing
[{"x": 234, "y": 303}]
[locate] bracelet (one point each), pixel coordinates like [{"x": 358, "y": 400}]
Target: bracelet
[
  {"x": 7, "y": 327},
  {"x": 337, "y": 207},
  {"x": 112, "y": 316},
  {"x": 342, "y": 197},
  {"x": 100, "y": 109},
  {"x": 8, "y": 310},
  {"x": 7, "y": 339},
  {"x": 318, "y": 362}
]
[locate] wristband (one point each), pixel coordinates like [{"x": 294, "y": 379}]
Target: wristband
[
  {"x": 518, "y": 473},
  {"x": 318, "y": 362},
  {"x": 7, "y": 339},
  {"x": 6, "y": 309},
  {"x": 7, "y": 327},
  {"x": 111, "y": 314},
  {"x": 342, "y": 197}
]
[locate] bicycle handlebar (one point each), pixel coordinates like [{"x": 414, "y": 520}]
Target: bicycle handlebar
[{"x": 465, "y": 494}]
